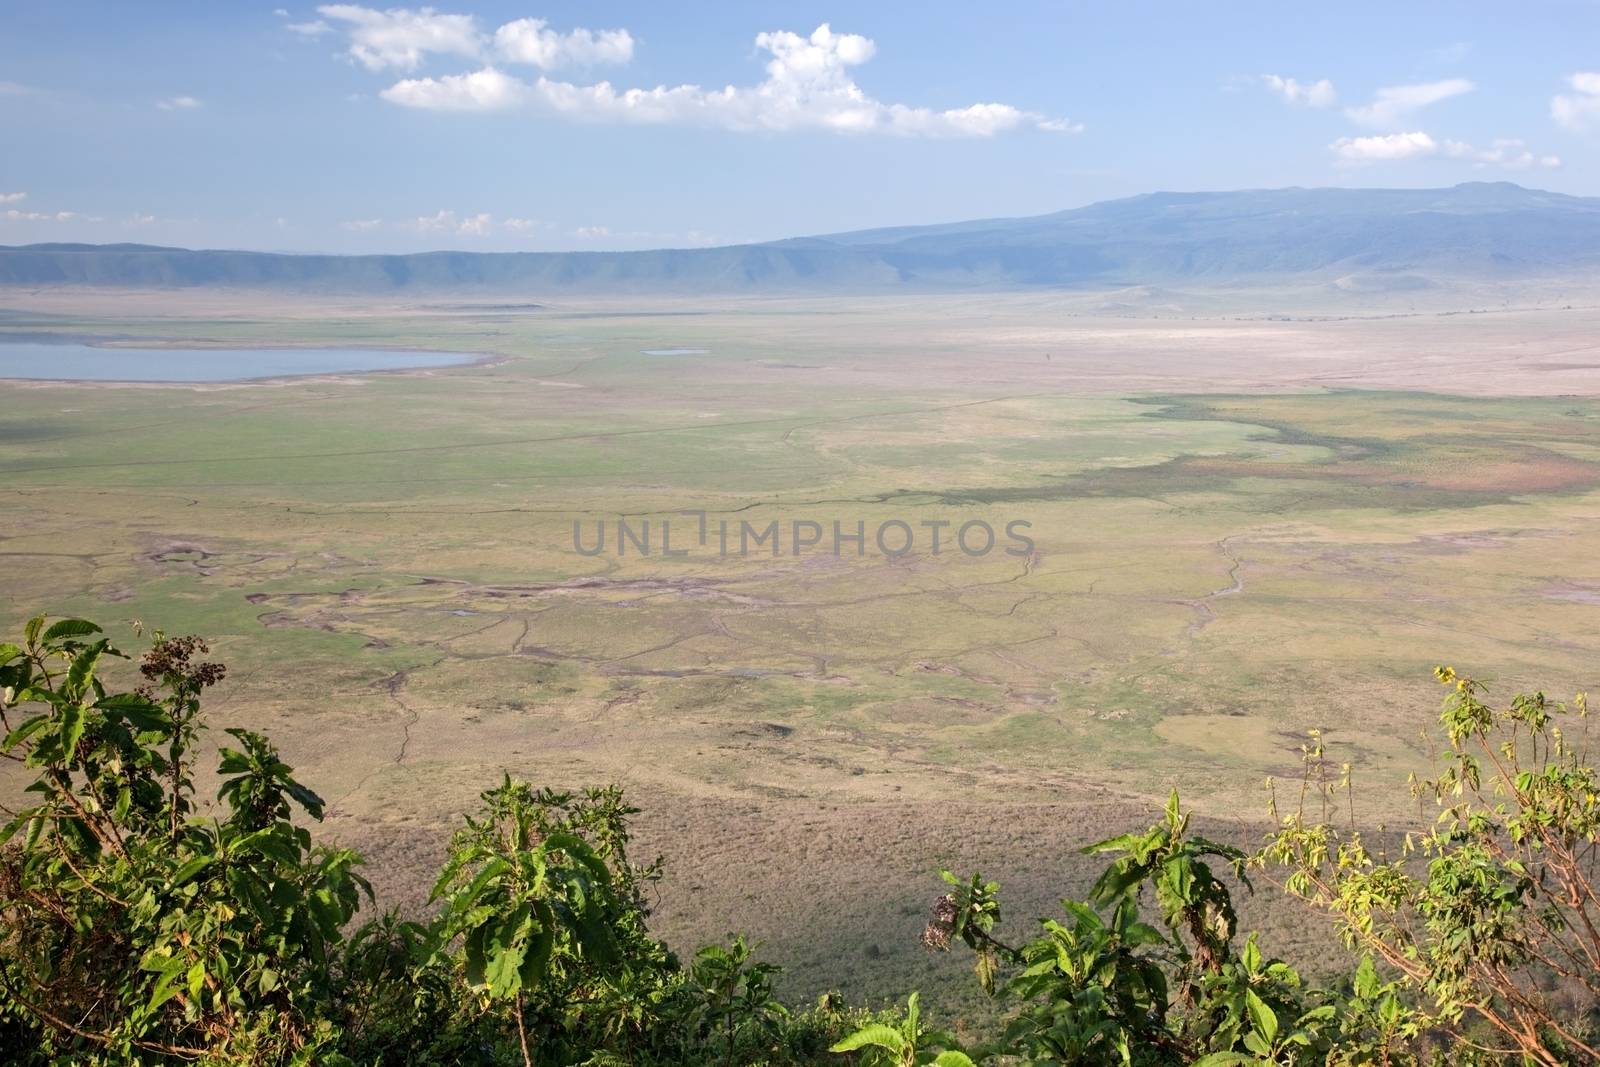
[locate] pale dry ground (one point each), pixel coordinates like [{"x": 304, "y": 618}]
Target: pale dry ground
[
  {"x": 386, "y": 563},
  {"x": 1237, "y": 341}
]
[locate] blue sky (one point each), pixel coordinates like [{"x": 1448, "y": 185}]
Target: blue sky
[{"x": 489, "y": 125}]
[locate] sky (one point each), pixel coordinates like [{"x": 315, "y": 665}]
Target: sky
[{"x": 524, "y": 125}]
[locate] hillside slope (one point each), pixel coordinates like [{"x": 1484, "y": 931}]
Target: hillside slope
[{"x": 1380, "y": 237}]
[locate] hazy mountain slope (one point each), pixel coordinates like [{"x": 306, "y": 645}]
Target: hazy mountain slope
[{"x": 1477, "y": 231}]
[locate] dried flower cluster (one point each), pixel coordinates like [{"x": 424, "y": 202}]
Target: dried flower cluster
[{"x": 942, "y": 925}]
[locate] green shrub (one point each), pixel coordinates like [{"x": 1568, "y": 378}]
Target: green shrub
[{"x": 143, "y": 927}]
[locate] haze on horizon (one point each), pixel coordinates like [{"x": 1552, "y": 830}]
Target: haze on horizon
[{"x": 490, "y": 126}]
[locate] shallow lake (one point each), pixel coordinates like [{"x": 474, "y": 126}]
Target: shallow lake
[{"x": 81, "y": 362}]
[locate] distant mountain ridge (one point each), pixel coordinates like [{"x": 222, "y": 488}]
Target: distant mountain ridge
[{"x": 1410, "y": 237}]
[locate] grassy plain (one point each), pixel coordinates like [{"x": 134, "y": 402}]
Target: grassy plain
[{"x": 1243, "y": 529}]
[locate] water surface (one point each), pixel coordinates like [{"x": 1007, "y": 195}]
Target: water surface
[{"x": 51, "y": 361}]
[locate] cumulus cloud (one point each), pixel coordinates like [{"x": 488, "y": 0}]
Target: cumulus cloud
[
  {"x": 1581, "y": 109},
  {"x": 1306, "y": 94},
  {"x": 178, "y": 103},
  {"x": 1392, "y": 105},
  {"x": 12, "y": 198},
  {"x": 482, "y": 90},
  {"x": 808, "y": 86},
  {"x": 532, "y": 41},
  {"x": 400, "y": 37},
  {"x": 1385, "y": 147},
  {"x": 361, "y": 225},
  {"x": 1506, "y": 152}
]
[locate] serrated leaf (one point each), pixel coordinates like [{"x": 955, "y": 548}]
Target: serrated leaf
[
  {"x": 877, "y": 1035},
  {"x": 70, "y": 628},
  {"x": 81, "y": 673},
  {"x": 25, "y": 731},
  {"x": 1261, "y": 1017},
  {"x": 72, "y": 725}
]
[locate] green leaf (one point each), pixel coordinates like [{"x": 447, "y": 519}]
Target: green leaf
[
  {"x": 953, "y": 1058},
  {"x": 68, "y": 628},
  {"x": 504, "y": 971},
  {"x": 1261, "y": 1017},
  {"x": 193, "y": 867},
  {"x": 25, "y": 731},
  {"x": 1120, "y": 843},
  {"x": 1366, "y": 980},
  {"x": 166, "y": 986},
  {"x": 579, "y": 849},
  {"x": 9, "y": 652},
  {"x": 1179, "y": 871},
  {"x": 82, "y": 671},
  {"x": 72, "y": 724},
  {"x": 877, "y": 1035}
]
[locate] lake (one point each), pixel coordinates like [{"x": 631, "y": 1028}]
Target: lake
[{"x": 80, "y": 362}]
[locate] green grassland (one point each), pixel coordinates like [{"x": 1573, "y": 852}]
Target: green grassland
[{"x": 386, "y": 563}]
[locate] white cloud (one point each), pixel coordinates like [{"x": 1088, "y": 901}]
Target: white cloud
[
  {"x": 1582, "y": 108},
  {"x": 1309, "y": 94},
  {"x": 532, "y": 41},
  {"x": 808, "y": 86},
  {"x": 281, "y": 12},
  {"x": 178, "y": 103},
  {"x": 618, "y": 239},
  {"x": 448, "y": 222},
  {"x": 13, "y": 215},
  {"x": 480, "y": 224},
  {"x": 401, "y": 37},
  {"x": 482, "y": 90},
  {"x": 12, "y": 198},
  {"x": 1391, "y": 105},
  {"x": 1508, "y": 153},
  {"x": 1386, "y": 147}
]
